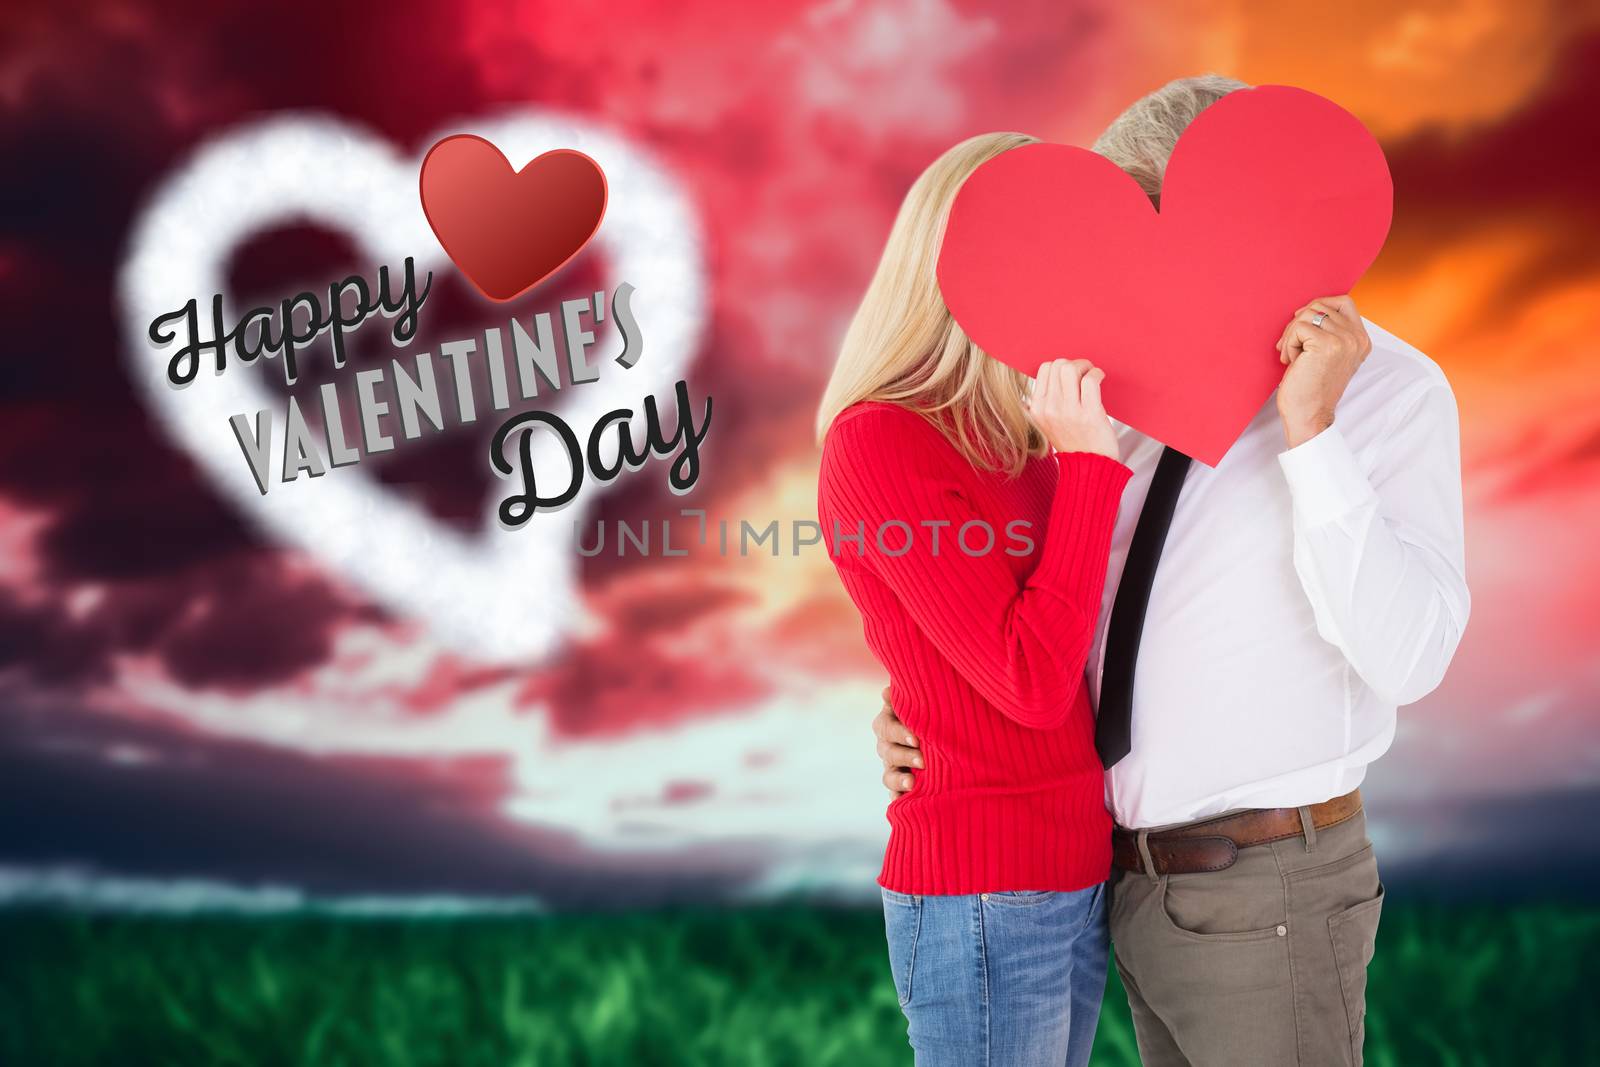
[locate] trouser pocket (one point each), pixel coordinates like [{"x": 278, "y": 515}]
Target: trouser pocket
[
  {"x": 1354, "y": 933},
  {"x": 902, "y": 925},
  {"x": 1333, "y": 926}
]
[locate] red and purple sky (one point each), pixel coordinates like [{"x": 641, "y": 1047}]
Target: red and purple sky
[{"x": 185, "y": 693}]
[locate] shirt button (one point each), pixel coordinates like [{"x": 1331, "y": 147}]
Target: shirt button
[{"x": 1283, "y": 931}]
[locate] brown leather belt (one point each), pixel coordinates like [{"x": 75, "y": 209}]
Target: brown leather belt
[{"x": 1214, "y": 844}]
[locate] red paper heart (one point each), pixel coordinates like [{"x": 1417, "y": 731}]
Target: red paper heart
[
  {"x": 509, "y": 230},
  {"x": 1273, "y": 196}
]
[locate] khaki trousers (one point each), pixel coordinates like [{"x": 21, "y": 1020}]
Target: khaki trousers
[{"x": 1264, "y": 963}]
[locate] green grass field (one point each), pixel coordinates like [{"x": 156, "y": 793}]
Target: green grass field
[{"x": 752, "y": 987}]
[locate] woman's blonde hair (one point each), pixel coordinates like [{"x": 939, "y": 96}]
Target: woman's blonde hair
[{"x": 904, "y": 347}]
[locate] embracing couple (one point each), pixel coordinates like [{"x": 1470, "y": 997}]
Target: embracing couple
[{"x": 1223, "y": 705}]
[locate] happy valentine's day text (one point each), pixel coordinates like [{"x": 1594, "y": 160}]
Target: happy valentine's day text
[{"x": 284, "y": 331}]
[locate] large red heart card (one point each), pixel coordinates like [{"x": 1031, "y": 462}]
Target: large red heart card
[
  {"x": 509, "y": 230},
  {"x": 1272, "y": 197}
]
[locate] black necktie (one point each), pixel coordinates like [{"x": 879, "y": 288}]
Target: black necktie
[{"x": 1113, "y": 728}]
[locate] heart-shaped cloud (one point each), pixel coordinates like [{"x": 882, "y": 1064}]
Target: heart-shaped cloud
[{"x": 499, "y": 594}]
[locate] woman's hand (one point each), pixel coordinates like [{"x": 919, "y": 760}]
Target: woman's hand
[
  {"x": 1323, "y": 347},
  {"x": 1066, "y": 408},
  {"x": 896, "y": 748}
]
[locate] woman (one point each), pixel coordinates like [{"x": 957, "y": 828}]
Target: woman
[{"x": 970, "y": 525}]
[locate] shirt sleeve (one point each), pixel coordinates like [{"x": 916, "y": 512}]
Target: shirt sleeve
[
  {"x": 1020, "y": 642},
  {"x": 1380, "y": 552}
]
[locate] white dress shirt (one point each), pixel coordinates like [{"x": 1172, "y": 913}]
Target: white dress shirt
[{"x": 1302, "y": 595}]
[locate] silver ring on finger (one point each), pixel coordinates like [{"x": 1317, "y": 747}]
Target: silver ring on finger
[{"x": 1318, "y": 319}]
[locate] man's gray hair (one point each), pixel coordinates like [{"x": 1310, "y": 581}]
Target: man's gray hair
[{"x": 1143, "y": 137}]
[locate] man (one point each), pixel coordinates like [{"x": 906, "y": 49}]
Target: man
[{"x": 1308, "y": 585}]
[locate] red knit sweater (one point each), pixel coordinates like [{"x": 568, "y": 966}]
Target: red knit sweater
[{"x": 985, "y": 649}]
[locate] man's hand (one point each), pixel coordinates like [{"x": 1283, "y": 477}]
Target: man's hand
[
  {"x": 1323, "y": 347},
  {"x": 897, "y": 748}
]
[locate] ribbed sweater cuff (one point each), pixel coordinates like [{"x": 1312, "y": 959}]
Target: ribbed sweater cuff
[{"x": 1082, "y": 518}]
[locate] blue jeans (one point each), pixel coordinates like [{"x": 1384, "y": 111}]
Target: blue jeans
[{"x": 999, "y": 979}]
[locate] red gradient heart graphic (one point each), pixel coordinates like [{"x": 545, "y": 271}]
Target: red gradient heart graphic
[
  {"x": 508, "y": 230},
  {"x": 1272, "y": 196}
]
